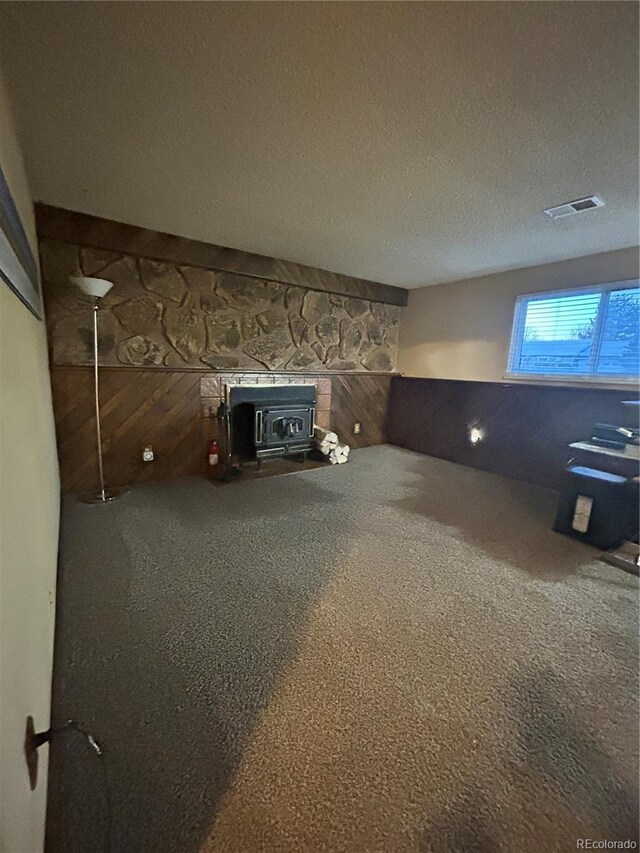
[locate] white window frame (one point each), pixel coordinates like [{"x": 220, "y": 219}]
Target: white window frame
[{"x": 517, "y": 336}]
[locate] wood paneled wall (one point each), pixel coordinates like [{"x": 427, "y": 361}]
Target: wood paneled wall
[
  {"x": 171, "y": 410},
  {"x": 138, "y": 407},
  {"x": 527, "y": 427},
  {"x": 363, "y": 399}
]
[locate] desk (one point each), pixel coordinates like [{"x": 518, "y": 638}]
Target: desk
[
  {"x": 604, "y": 458},
  {"x": 615, "y": 462}
]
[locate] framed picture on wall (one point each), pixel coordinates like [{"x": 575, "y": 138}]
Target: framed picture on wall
[{"x": 18, "y": 267}]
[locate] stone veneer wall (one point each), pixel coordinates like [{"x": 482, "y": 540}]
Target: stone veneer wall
[{"x": 166, "y": 315}]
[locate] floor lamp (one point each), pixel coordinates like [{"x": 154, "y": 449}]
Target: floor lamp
[{"x": 96, "y": 288}]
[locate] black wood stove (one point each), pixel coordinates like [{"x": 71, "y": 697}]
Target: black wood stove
[{"x": 271, "y": 420}]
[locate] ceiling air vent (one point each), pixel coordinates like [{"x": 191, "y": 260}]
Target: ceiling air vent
[{"x": 571, "y": 207}]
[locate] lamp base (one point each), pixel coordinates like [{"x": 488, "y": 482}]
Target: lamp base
[{"x": 103, "y": 497}]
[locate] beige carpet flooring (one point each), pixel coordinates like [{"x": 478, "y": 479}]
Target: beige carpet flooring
[{"x": 393, "y": 655}]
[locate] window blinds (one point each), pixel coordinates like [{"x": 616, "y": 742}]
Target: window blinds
[{"x": 593, "y": 332}]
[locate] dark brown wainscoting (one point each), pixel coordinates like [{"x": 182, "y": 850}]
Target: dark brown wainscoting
[
  {"x": 56, "y": 223},
  {"x": 171, "y": 410},
  {"x": 360, "y": 398},
  {"x": 138, "y": 407},
  {"x": 527, "y": 427}
]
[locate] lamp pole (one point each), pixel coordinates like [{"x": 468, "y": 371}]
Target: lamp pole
[
  {"x": 97, "y": 288},
  {"x": 102, "y": 495}
]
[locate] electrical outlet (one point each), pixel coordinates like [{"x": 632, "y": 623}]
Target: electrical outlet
[
  {"x": 147, "y": 454},
  {"x": 356, "y": 427}
]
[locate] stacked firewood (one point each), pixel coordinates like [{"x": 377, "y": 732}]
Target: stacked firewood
[{"x": 327, "y": 442}]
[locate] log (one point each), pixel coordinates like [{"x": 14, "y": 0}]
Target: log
[{"x": 339, "y": 454}]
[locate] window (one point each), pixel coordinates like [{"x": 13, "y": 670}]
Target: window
[{"x": 591, "y": 333}]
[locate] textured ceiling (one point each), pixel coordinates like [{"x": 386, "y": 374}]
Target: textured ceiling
[{"x": 411, "y": 143}]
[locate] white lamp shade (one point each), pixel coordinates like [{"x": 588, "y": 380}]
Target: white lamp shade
[{"x": 97, "y": 287}]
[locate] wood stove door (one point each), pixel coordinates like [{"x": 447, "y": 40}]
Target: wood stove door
[{"x": 242, "y": 431}]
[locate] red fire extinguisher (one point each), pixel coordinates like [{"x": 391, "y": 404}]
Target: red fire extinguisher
[{"x": 214, "y": 456}]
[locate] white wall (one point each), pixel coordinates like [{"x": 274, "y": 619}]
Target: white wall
[
  {"x": 29, "y": 514},
  {"x": 462, "y": 330}
]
